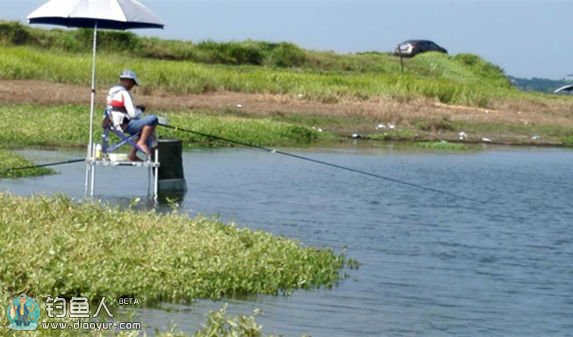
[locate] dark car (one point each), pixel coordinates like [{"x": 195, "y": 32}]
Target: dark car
[{"x": 412, "y": 48}]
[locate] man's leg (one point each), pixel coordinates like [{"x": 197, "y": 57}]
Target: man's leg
[
  {"x": 145, "y": 126},
  {"x": 133, "y": 155},
  {"x": 145, "y": 135}
]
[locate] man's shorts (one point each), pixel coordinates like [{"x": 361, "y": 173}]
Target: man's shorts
[{"x": 136, "y": 125}]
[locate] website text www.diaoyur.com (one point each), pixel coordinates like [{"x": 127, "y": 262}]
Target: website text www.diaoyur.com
[{"x": 94, "y": 326}]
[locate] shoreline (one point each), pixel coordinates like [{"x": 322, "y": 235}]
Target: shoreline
[{"x": 418, "y": 120}]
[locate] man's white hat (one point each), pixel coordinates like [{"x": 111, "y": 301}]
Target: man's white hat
[{"x": 129, "y": 74}]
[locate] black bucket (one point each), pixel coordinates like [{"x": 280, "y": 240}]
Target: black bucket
[{"x": 171, "y": 177}]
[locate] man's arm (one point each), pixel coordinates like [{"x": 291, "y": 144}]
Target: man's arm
[{"x": 132, "y": 110}]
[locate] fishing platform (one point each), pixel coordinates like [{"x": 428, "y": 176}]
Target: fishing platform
[
  {"x": 165, "y": 174},
  {"x": 152, "y": 166}
]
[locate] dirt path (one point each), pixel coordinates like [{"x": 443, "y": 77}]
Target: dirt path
[{"x": 361, "y": 113}]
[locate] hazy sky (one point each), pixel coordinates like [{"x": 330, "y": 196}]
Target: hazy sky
[{"x": 528, "y": 38}]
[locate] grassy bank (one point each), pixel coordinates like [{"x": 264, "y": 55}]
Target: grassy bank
[
  {"x": 170, "y": 69},
  {"x": 68, "y": 126},
  {"x": 438, "y": 77},
  {"x": 89, "y": 249},
  {"x": 10, "y": 160},
  {"x": 257, "y": 53},
  {"x": 249, "y": 66}
]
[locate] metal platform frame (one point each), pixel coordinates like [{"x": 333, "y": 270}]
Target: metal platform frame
[{"x": 152, "y": 172}]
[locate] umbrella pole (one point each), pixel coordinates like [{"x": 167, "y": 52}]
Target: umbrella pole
[{"x": 90, "y": 155}]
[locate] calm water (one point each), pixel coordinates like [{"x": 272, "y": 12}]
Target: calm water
[{"x": 432, "y": 265}]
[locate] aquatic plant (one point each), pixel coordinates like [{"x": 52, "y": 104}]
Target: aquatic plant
[
  {"x": 93, "y": 250},
  {"x": 10, "y": 160},
  {"x": 218, "y": 324},
  {"x": 442, "y": 145}
]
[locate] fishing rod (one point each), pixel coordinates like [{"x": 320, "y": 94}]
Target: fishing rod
[
  {"x": 42, "y": 165},
  {"x": 324, "y": 163}
]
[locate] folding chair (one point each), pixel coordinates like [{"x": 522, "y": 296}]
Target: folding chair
[{"x": 124, "y": 138}]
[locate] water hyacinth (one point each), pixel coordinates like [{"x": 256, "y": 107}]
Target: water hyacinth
[
  {"x": 10, "y": 160},
  {"x": 53, "y": 245}
]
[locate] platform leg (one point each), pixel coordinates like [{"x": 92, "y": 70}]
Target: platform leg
[
  {"x": 149, "y": 168},
  {"x": 156, "y": 176},
  {"x": 87, "y": 183},
  {"x": 92, "y": 189}
]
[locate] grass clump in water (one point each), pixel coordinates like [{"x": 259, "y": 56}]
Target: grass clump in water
[
  {"x": 442, "y": 145},
  {"x": 219, "y": 324},
  {"x": 94, "y": 251},
  {"x": 10, "y": 160}
]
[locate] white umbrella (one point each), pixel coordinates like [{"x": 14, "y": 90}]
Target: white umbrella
[{"x": 96, "y": 14}]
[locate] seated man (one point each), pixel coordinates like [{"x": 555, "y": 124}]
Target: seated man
[{"x": 126, "y": 116}]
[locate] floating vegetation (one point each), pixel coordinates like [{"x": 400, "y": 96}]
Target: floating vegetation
[
  {"x": 9, "y": 160},
  {"x": 53, "y": 245},
  {"x": 442, "y": 145}
]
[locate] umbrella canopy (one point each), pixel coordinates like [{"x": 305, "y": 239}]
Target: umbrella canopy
[
  {"x": 108, "y": 14},
  {"x": 105, "y": 14}
]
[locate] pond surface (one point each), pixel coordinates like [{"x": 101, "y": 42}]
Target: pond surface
[{"x": 431, "y": 264}]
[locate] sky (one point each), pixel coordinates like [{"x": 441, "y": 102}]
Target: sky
[{"x": 527, "y": 38}]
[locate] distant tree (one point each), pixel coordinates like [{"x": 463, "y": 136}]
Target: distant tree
[{"x": 538, "y": 84}]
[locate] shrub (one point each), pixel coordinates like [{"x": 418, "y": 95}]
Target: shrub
[
  {"x": 14, "y": 33},
  {"x": 234, "y": 53},
  {"x": 287, "y": 55},
  {"x": 483, "y": 68}
]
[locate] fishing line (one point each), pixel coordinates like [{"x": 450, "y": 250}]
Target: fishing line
[{"x": 324, "y": 163}]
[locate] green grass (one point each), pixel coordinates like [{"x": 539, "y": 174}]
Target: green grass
[
  {"x": 567, "y": 140},
  {"x": 52, "y": 245},
  {"x": 259, "y": 53},
  {"x": 68, "y": 126},
  {"x": 463, "y": 86},
  {"x": 248, "y": 66},
  {"x": 181, "y": 67},
  {"x": 547, "y": 132},
  {"x": 10, "y": 160}
]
